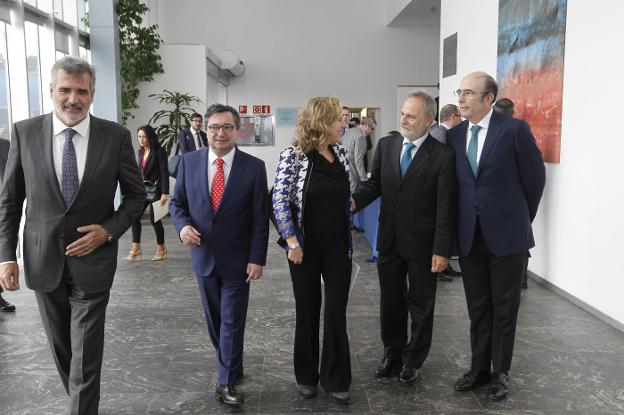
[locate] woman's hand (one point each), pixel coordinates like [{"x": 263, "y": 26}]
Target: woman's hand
[
  {"x": 295, "y": 255},
  {"x": 163, "y": 199}
]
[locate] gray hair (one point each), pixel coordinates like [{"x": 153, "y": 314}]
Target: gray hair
[
  {"x": 74, "y": 66},
  {"x": 370, "y": 121},
  {"x": 430, "y": 104},
  {"x": 448, "y": 111}
]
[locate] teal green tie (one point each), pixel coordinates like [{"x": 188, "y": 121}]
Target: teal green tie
[
  {"x": 472, "y": 148},
  {"x": 407, "y": 157}
]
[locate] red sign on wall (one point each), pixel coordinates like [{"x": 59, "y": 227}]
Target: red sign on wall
[
  {"x": 242, "y": 109},
  {"x": 266, "y": 109},
  {"x": 257, "y": 109}
]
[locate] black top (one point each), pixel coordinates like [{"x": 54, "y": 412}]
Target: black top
[{"x": 326, "y": 198}]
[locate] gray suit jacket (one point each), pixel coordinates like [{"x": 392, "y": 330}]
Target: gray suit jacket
[
  {"x": 4, "y": 153},
  {"x": 354, "y": 141},
  {"x": 438, "y": 132},
  {"x": 50, "y": 226}
]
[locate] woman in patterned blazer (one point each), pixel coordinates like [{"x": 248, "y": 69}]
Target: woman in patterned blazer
[{"x": 311, "y": 201}]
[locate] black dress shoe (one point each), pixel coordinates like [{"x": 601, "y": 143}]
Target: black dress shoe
[
  {"x": 499, "y": 388},
  {"x": 5, "y": 306},
  {"x": 408, "y": 375},
  {"x": 388, "y": 367},
  {"x": 445, "y": 278},
  {"x": 451, "y": 272},
  {"x": 228, "y": 395},
  {"x": 471, "y": 380}
]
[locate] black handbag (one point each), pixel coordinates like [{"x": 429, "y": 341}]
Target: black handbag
[{"x": 151, "y": 189}]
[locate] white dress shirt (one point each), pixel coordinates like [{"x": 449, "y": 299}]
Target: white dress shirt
[
  {"x": 212, "y": 166},
  {"x": 484, "y": 124},
  {"x": 81, "y": 143},
  {"x": 416, "y": 143}
]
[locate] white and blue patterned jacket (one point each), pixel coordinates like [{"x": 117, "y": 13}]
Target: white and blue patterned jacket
[{"x": 289, "y": 190}]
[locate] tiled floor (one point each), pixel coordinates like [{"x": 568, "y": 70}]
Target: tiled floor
[{"x": 158, "y": 359}]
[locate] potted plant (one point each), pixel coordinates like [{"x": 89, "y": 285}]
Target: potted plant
[{"x": 172, "y": 120}]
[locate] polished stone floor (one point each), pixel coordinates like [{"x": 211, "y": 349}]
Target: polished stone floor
[{"x": 158, "y": 359}]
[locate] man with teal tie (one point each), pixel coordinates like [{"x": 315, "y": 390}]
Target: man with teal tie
[
  {"x": 501, "y": 178},
  {"x": 415, "y": 176}
]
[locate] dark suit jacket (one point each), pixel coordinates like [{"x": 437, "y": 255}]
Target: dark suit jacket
[
  {"x": 507, "y": 190},
  {"x": 186, "y": 142},
  {"x": 4, "y": 154},
  {"x": 50, "y": 226},
  {"x": 418, "y": 212},
  {"x": 237, "y": 234},
  {"x": 156, "y": 170}
]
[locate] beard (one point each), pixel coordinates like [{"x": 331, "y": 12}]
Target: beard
[{"x": 410, "y": 133}]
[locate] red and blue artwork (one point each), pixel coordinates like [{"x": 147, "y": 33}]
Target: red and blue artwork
[{"x": 531, "y": 44}]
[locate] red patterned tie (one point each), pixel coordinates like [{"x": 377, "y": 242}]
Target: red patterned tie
[{"x": 218, "y": 184}]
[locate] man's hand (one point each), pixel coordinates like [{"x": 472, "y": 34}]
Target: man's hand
[
  {"x": 190, "y": 236},
  {"x": 353, "y": 205},
  {"x": 163, "y": 199},
  {"x": 438, "y": 263},
  {"x": 9, "y": 276},
  {"x": 95, "y": 236},
  {"x": 254, "y": 272}
]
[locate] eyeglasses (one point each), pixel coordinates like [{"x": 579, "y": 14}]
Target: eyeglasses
[
  {"x": 457, "y": 115},
  {"x": 465, "y": 92},
  {"x": 227, "y": 128}
]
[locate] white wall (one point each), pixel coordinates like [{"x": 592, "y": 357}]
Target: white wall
[
  {"x": 579, "y": 226},
  {"x": 295, "y": 49}
]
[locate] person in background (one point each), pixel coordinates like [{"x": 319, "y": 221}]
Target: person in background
[
  {"x": 504, "y": 106},
  {"x": 312, "y": 176},
  {"x": 153, "y": 166},
  {"x": 5, "y": 306},
  {"x": 354, "y": 122},
  {"x": 193, "y": 138},
  {"x": 501, "y": 178},
  {"x": 354, "y": 142},
  {"x": 345, "y": 113}
]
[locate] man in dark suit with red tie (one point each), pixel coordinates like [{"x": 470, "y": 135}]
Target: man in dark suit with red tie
[
  {"x": 220, "y": 209},
  {"x": 501, "y": 178}
]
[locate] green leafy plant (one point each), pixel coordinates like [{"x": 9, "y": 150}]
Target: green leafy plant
[
  {"x": 138, "y": 53},
  {"x": 172, "y": 120}
]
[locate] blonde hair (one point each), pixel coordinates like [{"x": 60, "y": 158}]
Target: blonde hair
[{"x": 313, "y": 121}]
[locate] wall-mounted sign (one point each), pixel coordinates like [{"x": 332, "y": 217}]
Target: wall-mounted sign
[
  {"x": 256, "y": 130},
  {"x": 266, "y": 109},
  {"x": 242, "y": 109},
  {"x": 286, "y": 117},
  {"x": 257, "y": 109}
]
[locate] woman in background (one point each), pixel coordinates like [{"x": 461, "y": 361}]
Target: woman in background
[
  {"x": 313, "y": 177},
  {"x": 153, "y": 166}
]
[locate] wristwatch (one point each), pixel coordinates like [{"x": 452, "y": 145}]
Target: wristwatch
[{"x": 293, "y": 246}]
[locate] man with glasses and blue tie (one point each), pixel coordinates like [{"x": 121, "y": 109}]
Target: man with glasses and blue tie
[
  {"x": 415, "y": 176},
  {"x": 501, "y": 178},
  {"x": 67, "y": 165},
  {"x": 220, "y": 209}
]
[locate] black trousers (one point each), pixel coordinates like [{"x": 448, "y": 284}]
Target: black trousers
[
  {"x": 492, "y": 285},
  {"x": 74, "y": 324},
  {"x": 400, "y": 295},
  {"x": 327, "y": 258},
  {"x": 158, "y": 227}
]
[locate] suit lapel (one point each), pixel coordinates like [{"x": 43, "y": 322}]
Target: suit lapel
[
  {"x": 460, "y": 147},
  {"x": 95, "y": 149},
  {"x": 490, "y": 140},
  {"x": 421, "y": 157},
  {"x": 202, "y": 176},
  {"x": 395, "y": 157},
  {"x": 46, "y": 143}
]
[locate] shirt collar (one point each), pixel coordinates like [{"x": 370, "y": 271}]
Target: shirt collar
[
  {"x": 227, "y": 159},
  {"x": 82, "y": 128},
  {"x": 416, "y": 142},
  {"x": 443, "y": 125},
  {"x": 484, "y": 123}
]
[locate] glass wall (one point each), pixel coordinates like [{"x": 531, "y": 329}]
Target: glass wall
[
  {"x": 31, "y": 37},
  {"x": 5, "y": 98}
]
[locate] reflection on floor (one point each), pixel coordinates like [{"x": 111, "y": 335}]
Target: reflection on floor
[{"x": 158, "y": 359}]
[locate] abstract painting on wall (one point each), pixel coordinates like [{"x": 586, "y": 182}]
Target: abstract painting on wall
[{"x": 531, "y": 44}]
